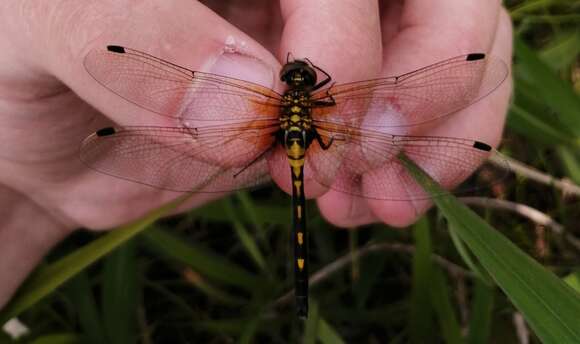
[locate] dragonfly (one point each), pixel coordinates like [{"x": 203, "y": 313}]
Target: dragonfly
[{"x": 224, "y": 133}]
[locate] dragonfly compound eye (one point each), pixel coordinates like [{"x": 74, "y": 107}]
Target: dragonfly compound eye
[{"x": 298, "y": 72}]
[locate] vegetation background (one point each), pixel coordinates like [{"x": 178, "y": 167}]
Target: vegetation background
[{"x": 221, "y": 273}]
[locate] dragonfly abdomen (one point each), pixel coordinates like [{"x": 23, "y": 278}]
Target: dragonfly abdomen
[{"x": 296, "y": 159}]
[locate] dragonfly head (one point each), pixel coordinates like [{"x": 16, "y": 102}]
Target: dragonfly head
[{"x": 298, "y": 73}]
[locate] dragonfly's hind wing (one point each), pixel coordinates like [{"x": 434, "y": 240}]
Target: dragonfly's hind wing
[
  {"x": 212, "y": 159},
  {"x": 173, "y": 91},
  {"x": 367, "y": 163}
]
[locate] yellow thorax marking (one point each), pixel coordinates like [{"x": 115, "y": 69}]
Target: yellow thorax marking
[
  {"x": 295, "y": 118},
  {"x": 300, "y": 263},
  {"x": 295, "y": 109},
  {"x": 300, "y": 237}
]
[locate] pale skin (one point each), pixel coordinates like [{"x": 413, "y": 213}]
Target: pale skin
[{"x": 45, "y": 92}]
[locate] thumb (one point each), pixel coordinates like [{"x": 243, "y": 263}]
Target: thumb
[{"x": 182, "y": 32}]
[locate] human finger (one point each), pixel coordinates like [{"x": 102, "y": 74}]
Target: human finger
[
  {"x": 340, "y": 37},
  {"x": 423, "y": 37}
]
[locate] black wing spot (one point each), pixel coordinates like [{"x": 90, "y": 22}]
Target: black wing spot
[
  {"x": 116, "y": 49},
  {"x": 475, "y": 56},
  {"x": 105, "y": 131},
  {"x": 481, "y": 146}
]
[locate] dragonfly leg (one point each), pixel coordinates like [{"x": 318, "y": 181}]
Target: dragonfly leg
[
  {"x": 253, "y": 161},
  {"x": 323, "y": 82},
  {"x": 323, "y": 145},
  {"x": 289, "y": 57},
  {"x": 325, "y": 103}
]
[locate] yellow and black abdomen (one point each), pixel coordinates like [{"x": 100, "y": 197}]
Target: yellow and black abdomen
[{"x": 295, "y": 122}]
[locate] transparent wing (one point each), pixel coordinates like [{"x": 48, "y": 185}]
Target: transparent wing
[
  {"x": 365, "y": 162},
  {"x": 173, "y": 91},
  {"x": 209, "y": 159},
  {"x": 417, "y": 97}
]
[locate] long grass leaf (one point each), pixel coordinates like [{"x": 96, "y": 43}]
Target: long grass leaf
[
  {"x": 481, "y": 313},
  {"x": 440, "y": 299},
  {"x": 421, "y": 315},
  {"x": 80, "y": 291},
  {"x": 200, "y": 259},
  {"x": 549, "y": 305},
  {"x": 120, "y": 295},
  {"x": 327, "y": 334},
  {"x": 245, "y": 237},
  {"x": 311, "y": 330},
  {"x": 556, "y": 93}
]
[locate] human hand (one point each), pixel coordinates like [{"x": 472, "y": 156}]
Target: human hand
[
  {"x": 358, "y": 40},
  {"x": 46, "y": 93}
]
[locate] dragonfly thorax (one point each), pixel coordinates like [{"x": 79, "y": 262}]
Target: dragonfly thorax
[{"x": 295, "y": 110}]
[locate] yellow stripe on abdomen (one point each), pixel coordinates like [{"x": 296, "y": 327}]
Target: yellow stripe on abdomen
[{"x": 300, "y": 263}]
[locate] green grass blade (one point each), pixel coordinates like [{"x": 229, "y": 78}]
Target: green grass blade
[
  {"x": 58, "y": 338},
  {"x": 81, "y": 294},
  {"x": 467, "y": 258},
  {"x": 327, "y": 334},
  {"x": 573, "y": 280},
  {"x": 556, "y": 93},
  {"x": 269, "y": 213},
  {"x": 563, "y": 50},
  {"x": 440, "y": 294},
  {"x": 245, "y": 237},
  {"x": 120, "y": 295},
  {"x": 46, "y": 279},
  {"x": 570, "y": 163},
  {"x": 370, "y": 273},
  {"x": 200, "y": 259},
  {"x": 216, "y": 294},
  {"x": 536, "y": 128},
  {"x": 549, "y": 305},
  {"x": 421, "y": 315},
  {"x": 250, "y": 330},
  {"x": 481, "y": 313},
  {"x": 228, "y": 326},
  {"x": 311, "y": 330},
  {"x": 249, "y": 208}
]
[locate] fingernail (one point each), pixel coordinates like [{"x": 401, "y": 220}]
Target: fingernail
[{"x": 243, "y": 67}]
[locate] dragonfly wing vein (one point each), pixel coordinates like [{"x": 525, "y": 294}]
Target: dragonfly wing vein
[
  {"x": 415, "y": 98},
  {"x": 180, "y": 159},
  {"x": 173, "y": 91}
]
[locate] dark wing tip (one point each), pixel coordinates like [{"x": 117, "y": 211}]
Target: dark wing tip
[
  {"x": 105, "y": 131},
  {"x": 475, "y": 57},
  {"x": 481, "y": 146},
  {"x": 116, "y": 49}
]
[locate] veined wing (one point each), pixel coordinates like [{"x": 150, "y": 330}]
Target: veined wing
[
  {"x": 208, "y": 159},
  {"x": 173, "y": 91},
  {"x": 366, "y": 163},
  {"x": 417, "y": 97}
]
